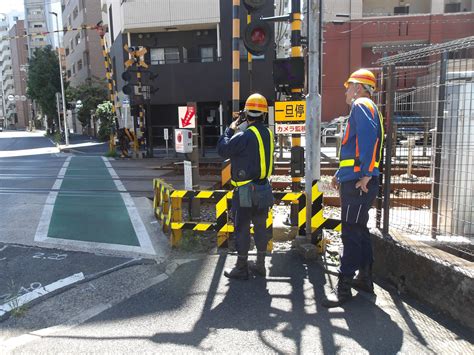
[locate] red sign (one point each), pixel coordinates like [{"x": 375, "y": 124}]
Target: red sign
[{"x": 187, "y": 119}]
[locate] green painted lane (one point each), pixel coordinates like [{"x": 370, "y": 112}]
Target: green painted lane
[{"x": 92, "y": 216}]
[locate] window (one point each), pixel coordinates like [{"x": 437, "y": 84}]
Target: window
[
  {"x": 75, "y": 12},
  {"x": 36, "y": 25},
  {"x": 206, "y": 54},
  {"x": 68, "y": 74},
  {"x": 85, "y": 58},
  {"x": 78, "y": 38},
  {"x": 67, "y": 51},
  {"x": 164, "y": 55},
  {"x": 73, "y": 69},
  {"x": 69, "y": 22},
  {"x": 71, "y": 44},
  {"x": 79, "y": 65}
]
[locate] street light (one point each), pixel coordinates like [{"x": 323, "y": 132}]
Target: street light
[{"x": 66, "y": 133}]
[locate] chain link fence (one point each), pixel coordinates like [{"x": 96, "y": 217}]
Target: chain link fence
[{"x": 428, "y": 186}]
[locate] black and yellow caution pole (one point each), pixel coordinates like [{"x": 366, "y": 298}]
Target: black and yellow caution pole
[
  {"x": 108, "y": 73},
  {"x": 235, "y": 57},
  {"x": 296, "y": 51},
  {"x": 249, "y": 58}
]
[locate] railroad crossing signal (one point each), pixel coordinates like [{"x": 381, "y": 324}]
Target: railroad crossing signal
[
  {"x": 258, "y": 34},
  {"x": 137, "y": 56}
]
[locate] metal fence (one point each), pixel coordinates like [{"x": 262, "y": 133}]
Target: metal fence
[{"x": 428, "y": 185}]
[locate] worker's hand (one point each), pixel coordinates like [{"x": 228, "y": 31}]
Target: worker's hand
[
  {"x": 362, "y": 183},
  {"x": 233, "y": 125},
  {"x": 334, "y": 183}
]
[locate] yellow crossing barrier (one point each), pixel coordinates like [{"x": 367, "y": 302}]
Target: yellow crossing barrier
[{"x": 167, "y": 206}]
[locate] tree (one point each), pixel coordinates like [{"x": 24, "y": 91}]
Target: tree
[
  {"x": 105, "y": 115},
  {"x": 43, "y": 81},
  {"x": 91, "y": 94}
]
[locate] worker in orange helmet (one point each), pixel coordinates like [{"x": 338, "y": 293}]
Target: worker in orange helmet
[
  {"x": 249, "y": 145},
  {"x": 358, "y": 181}
]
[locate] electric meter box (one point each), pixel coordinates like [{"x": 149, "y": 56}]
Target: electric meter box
[{"x": 183, "y": 140}]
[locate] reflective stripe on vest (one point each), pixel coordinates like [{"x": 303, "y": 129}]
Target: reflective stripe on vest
[
  {"x": 352, "y": 162},
  {"x": 264, "y": 172}
]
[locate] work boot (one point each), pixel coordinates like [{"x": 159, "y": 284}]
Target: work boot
[
  {"x": 341, "y": 294},
  {"x": 240, "y": 271},
  {"x": 363, "y": 280},
  {"x": 258, "y": 267}
]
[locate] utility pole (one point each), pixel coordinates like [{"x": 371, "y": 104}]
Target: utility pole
[
  {"x": 66, "y": 133},
  {"x": 313, "y": 120}
]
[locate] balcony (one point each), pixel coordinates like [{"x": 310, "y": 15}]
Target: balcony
[
  {"x": 166, "y": 14},
  {"x": 36, "y": 17},
  {"x": 7, "y": 84},
  {"x": 7, "y": 73}
]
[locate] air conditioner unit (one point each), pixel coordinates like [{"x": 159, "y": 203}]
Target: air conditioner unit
[
  {"x": 453, "y": 7},
  {"x": 401, "y": 10}
]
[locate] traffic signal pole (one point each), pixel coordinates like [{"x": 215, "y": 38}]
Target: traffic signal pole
[{"x": 313, "y": 104}]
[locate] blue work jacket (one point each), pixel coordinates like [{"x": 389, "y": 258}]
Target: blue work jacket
[{"x": 362, "y": 142}]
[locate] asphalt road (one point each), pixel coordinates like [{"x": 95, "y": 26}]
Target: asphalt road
[
  {"x": 197, "y": 310},
  {"x": 25, "y": 269}
]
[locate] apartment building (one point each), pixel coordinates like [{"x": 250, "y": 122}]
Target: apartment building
[
  {"x": 6, "y": 73},
  {"x": 358, "y": 32},
  {"x": 84, "y": 59},
  {"x": 189, "y": 46},
  {"x": 19, "y": 56},
  {"x": 36, "y": 25}
]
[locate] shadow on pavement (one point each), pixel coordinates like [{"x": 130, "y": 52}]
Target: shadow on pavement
[{"x": 259, "y": 305}]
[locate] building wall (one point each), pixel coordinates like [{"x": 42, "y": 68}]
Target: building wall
[
  {"x": 19, "y": 52},
  {"x": 145, "y": 15},
  {"x": 82, "y": 48},
  {"x": 207, "y": 83},
  {"x": 35, "y": 24},
  {"x": 348, "y": 47},
  {"x": 6, "y": 72}
]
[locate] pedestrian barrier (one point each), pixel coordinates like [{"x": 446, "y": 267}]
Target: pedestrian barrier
[{"x": 167, "y": 205}]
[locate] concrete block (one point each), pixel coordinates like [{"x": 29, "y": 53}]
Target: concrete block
[
  {"x": 437, "y": 278},
  {"x": 308, "y": 251},
  {"x": 299, "y": 240}
]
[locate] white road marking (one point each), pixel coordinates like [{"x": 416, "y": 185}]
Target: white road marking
[
  {"x": 30, "y": 296},
  {"x": 43, "y": 225},
  {"x": 137, "y": 223}
]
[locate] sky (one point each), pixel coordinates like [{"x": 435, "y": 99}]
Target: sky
[{"x": 12, "y": 8}]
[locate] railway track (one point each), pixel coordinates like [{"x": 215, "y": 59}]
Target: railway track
[{"x": 404, "y": 194}]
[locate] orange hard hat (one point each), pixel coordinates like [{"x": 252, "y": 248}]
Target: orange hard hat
[
  {"x": 362, "y": 76},
  {"x": 257, "y": 104}
]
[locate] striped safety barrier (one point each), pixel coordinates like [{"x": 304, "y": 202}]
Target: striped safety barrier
[{"x": 167, "y": 205}]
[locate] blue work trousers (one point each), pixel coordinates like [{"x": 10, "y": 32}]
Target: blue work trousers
[
  {"x": 242, "y": 216},
  {"x": 355, "y": 206}
]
